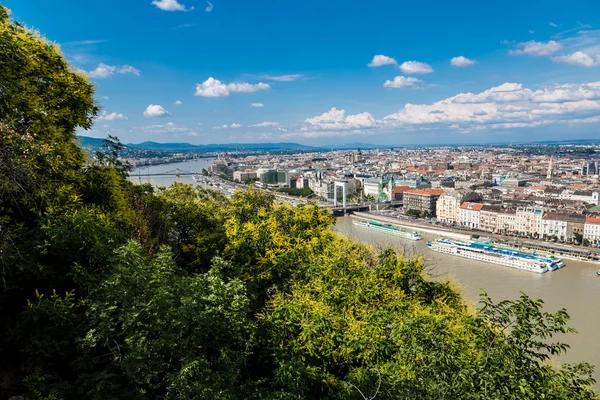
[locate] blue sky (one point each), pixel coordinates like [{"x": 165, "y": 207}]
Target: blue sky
[{"x": 324, "y": 72}]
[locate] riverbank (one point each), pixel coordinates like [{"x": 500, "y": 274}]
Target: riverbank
[
  {"x": 569, "y": 252},
  {"x": 407, "y": 225}
]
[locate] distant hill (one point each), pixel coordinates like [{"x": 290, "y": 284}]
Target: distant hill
[
  {"x": 187, "y": 147},
  {"x": 87, "y": 141}
]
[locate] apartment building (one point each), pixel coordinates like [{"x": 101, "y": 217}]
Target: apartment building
[
  {"x": 488, "y": 217},
  {"x": 529, "y": 220},
  {"x": 507, "y": 221},
  {"x": 470, "y": 215},
  {"x": 592, "y": 229},
  {"x": 448, "y": 204},
  {"x": 554, "y": 224},
  {"x": 422, "y": 200}
]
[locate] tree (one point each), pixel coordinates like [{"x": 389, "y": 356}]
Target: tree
[{"x": 165, "y": 333}]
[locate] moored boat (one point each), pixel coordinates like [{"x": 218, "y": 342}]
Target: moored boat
[
  {"x": 389, "y": 229},
  {"x": 487, "y": 252}
]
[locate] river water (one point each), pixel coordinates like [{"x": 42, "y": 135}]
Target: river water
[
  {"x": 574, "y": 287},
  {"x": 187, "y": 166}
]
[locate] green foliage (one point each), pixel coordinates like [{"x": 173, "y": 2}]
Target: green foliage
[
  {"x": 169, "y": 333},
  {"x": 413, "y": 213},
  {"x": 297, "y": 191}
]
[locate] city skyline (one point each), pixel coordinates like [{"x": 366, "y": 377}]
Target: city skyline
[{"x": 323, "y": 74}]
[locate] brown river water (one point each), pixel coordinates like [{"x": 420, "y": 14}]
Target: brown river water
[{"x": 575, "y": 287}]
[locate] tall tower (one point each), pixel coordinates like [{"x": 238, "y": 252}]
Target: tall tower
[{"x": 550, "y": 173}]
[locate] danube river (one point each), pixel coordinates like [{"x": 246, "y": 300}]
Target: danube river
[
  {"x": 574, "y": 287},
  {"x": 191, "y": 166}
]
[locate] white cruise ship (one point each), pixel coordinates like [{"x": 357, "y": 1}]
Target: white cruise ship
[
  {"x": 486, "y": 252},
  {"x": 389, "y": 229}
]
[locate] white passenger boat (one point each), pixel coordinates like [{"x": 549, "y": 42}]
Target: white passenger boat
[
  {"x": 389, "y": 229},
  {"x": 487, "y": 252}
]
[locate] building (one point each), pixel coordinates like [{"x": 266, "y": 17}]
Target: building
[
  {"x": 529, "y": 220},
  {"x": 591, "y": 231},
  {"x": 575, "y": 226},
  {"x": 220, "y": 167},
  {"x": 422, "y": 200},
  {"x": 586, "y": 196},
  {"x": 266, "y": 176},
  {"x": 488, "y": 217},
  {"x": 243, "y": 176},
  {"x": 470, "y": 215},
  {"x": 507, "y": 221},
  {"x": 355, "y": 157},
  {"x": 554, "y": 225},
  {"x": 448, "y": 204}
]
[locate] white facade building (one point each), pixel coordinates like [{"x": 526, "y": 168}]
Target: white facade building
[
  {"x": 470, "y": 215},
  {"x": 591, "y": 230},
  {"x": 529, "y": 220}
]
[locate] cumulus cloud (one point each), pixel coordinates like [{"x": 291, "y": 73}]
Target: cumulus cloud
[
  {"x": 257, "y": 105},
  {"x": 111, "y": 117},
  {"x": 104, "y": 70},
  {"x": 232, "y": 126},
  {"x": 169, "y": 128},
  {"x": 380, "y": 60},
  {"x": 155, "y": 111},
  {"x": 402, "y": 82},
  {"x": 335, "y": 119},
  {"x": 461, "y": 61},
  {"x": 210, "y": 7},
  {"x": 170, "y": 5},
  {"x": 178, "y": 103},
  {"x": 215, "y": 88},
  {"x": 534, "y": 48},
  {"x": 266, "y": 123},
  {"x": 578, "y": 58},
  {"x": 415, "y": 67},
  {"x": 509, "y": 105},
  {"x": 282, "y": 78}
]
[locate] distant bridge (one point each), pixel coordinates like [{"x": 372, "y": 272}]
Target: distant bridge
[{"x": 176, "y": 172}]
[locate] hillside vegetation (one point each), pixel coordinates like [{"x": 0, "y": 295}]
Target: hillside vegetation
[{"x": 110, "y": 290}]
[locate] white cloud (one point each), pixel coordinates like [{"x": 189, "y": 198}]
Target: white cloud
[
  {"x": 534, "y": 48},
  {"x": 111, "y": 117},
  {"x": 335, "y": 119},
  {"x": 531, "y": 31},
  {"x": 266, "y": 123},
  {"x": 461, "y": 61},
  {"x": 210, "y": 7},
  {"x": 402, "y": 82},
  {"x": 155, "y": 111},
  {"x": 552, "y": 24},
  {"x": 104, "y": 70},
  {"x": 215, "y": 88},
  {"x": 578, "y": 58},
  {"x": 170, "y": 5},
  {"x": 84, "y": 42},
  {"x": 506, "y": 106},
  {"x": 178, "y": 103},
  {"x": 170, "y": 128},
  {"x": 380, "y": 60},
  {"x": 415, "y": 67},
  {"x": 282, "y": 78},
  {"x": 232, "y": 126},
  {"x": 257, "y": 105}
]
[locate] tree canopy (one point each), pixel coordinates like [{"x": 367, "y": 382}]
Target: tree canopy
[{"x": 112, "y": 290}]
